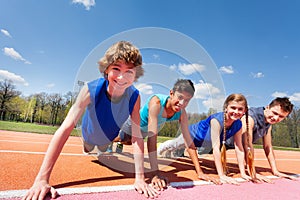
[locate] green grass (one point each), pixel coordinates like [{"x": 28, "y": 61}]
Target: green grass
[
  {"x": 44, "y": 129},
  {"x": 30, "y": 127},
  {"x": 257, "y": 146},
  {"x": 161, "y": 139}
]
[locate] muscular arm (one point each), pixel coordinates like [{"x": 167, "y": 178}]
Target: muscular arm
[
  {"x": 158, "y": 181},
  {"x": 189, "y": 143},
  {"x": 137, "y": 142},
  {"x": 138, "y": 153},
  {"x": 268, "y": 148},
  {"x": 41, "y": 185},
  {"x": 154, "y": 111}
]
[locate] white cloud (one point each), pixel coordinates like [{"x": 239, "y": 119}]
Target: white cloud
[
  {"x": 279, "y": 94},
  {"x": 87, "y": 3},
  {"x": 188, "y": 69},
  {"x": 17, "y": 79},
  {"x": 257, "y": 75},
  {"x": 145, "y": 88},
  {"x": 216, "y": 103},
  {"x": 211, "y": 96},
  {"x": 295, "y": 97},
  {"x": 50, "y": 85},
  {"x": 226, "y": 69},
  {"x": 5, "y": 32},
  {"x": 14, "y": 54},
  {"x": 173, "y": 67},
  {"x": 204, "y": 90},
  {"x": 156, "y": 56}
]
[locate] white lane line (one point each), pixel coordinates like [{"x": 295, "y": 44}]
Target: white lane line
[
  {"x": 29, "y": 142},
  {"x": 100, "y": 189},
  {"x": 94, "y": 153},
  {"x": 40, "y": 153}
]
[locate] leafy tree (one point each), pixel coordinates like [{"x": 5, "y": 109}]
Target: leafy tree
[
  {"x": 292, "y": 123},
  {"x": 56, "y": 103},
  {"x": 7, "y": 93}
]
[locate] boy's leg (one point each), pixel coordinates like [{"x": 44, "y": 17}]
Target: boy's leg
[
  {"x": 87, "y": 148},
  {"x": 171, "y": 145},
  {"x": 124, "y": 136},
  {"x": 103, "y": 148}
]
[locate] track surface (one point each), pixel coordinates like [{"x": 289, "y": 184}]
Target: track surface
[{"x": 22, "y": 154}]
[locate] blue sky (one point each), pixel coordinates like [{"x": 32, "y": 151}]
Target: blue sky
[{"x": 249, "y": 47}]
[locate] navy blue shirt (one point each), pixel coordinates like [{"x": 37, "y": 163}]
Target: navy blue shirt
[
  {"x": 103, "y": 119},
  {"x": 201, "y": 131}
]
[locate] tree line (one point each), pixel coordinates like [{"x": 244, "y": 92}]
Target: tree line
[
  {"x": 51, "y": 109},
  {"x": 43, "y": 108}
]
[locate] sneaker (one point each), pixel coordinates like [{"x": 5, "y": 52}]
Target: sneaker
[
  {"x": 167, "y": 154},
  {"x": 87, "y": 148},
  {"x": 179, "y": 153},
  {"x": 161, "y": 149},
  {"x": 109, "y": 148},
  {"x": 119, "y": 147}
]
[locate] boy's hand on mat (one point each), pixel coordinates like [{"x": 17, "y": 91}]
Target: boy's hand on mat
[
  {"x": 208, "y": 178},
  {"x": 283, "y": 175},
  {"x": 159, "y": 182},
  {"x": 227, "y": 179},
  {"x": 147, "y": 189},
  {"x": 39, "y": 191}
]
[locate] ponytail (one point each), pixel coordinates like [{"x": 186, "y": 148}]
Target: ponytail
[
  {"x": 223, "y": 149},
  {"x": 250, "y": 160}
]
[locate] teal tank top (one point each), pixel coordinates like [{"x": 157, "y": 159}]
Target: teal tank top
[{"x": 144, "y": 112}]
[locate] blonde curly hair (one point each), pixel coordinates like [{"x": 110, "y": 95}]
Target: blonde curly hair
[{"x": 124, "y": 51}]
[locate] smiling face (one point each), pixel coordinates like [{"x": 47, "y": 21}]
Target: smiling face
[
  {"x": 120, "y": 76},
  {"x": 235, "y": 110},
  {"x": 179, "y": 100},
  {"x": 274, "y": 114}
]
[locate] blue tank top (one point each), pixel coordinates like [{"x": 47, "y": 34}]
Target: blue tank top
[
  {"x": 144, "y": 112},
  {"x": 260, "y": 127},
  {"x": 103, "y": 119},
  {"x": 201, "y": 130}
]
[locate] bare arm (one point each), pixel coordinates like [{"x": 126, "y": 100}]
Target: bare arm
[
  {"x": 247, "y": 138},
  {"x": 41, "y": 184},
  {"x": 138, "y": 153},
  {"x": 240, "y": 154},
  {"x": 268, "y": 148},
  {"x": 158, "y": 181},
  {"x": 215, "y": 139},
  {"x": 154, "y": 111},
  {"x": 257, "y": 177},
  {"x": 192, "y": 150}
]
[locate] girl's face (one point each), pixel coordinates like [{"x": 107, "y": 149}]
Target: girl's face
[
  {"x": 120, "y": 75},
  {"x": 179, "y": 100},
  {"x": 235, "y": 110},
  {"x": 274, "y": 114}
]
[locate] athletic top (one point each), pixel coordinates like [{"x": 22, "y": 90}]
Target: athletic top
[
  {"x": 144, "y": 112},
  {"x": 200, "y": 131},
  {"x": 103, "y": 119},
  {"x": 260, "y": 127}
]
